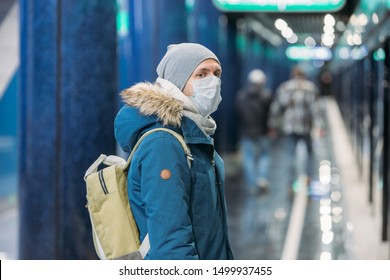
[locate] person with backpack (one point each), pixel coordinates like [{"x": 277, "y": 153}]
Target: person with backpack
[
  {"x": 182, "y": 208},
  {"x": 295, "y": 111}
]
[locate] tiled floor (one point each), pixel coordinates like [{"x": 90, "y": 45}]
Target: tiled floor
[{"x": 258, "y": 224}]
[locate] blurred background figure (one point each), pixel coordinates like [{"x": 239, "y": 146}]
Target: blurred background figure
[
  {"x": 252, "y": 105},
  {"x": 294, "y": 113}
]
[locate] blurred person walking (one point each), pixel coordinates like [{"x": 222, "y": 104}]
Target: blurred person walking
[
  {"x": 182, "y": 208},
  {"x": 295, "y": 112},
  {"x": 252, "y": 105}
]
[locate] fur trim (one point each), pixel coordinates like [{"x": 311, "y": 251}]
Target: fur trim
[{"x": 151, "y": 100}]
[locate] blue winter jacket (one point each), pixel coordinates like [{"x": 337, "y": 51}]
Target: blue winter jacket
[{"x": 183, "y": 209}]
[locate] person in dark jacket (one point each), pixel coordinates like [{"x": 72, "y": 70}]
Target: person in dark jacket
[
  {"x": 253, "y": 104},
  {"x": 181, "y": 207}
]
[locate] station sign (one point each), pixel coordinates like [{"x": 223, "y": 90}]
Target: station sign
[{"x": 279, "y": 5}]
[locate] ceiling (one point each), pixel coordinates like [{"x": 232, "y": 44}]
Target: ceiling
[{"x": 305, "y": 24}]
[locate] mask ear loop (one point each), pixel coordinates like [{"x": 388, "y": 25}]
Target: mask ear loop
[{"x": 192, "y": 90}]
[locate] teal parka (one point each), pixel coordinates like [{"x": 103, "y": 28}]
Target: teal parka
[{"x": 183, "y": 209}]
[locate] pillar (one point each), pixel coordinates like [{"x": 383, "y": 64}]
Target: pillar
[
  {"x": 68, "y": 101},
  {"x": 152, "y": 26},
  {"x": 226, "y": 116}
]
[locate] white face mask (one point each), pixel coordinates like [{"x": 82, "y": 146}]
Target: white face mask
[{"x": 207, "y": 95}]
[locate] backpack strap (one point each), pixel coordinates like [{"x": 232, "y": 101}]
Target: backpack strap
[
  {"x": 178, "y": 136},
  {"x": 115, "y": 160},
  {"x": 145, "y": 244}
]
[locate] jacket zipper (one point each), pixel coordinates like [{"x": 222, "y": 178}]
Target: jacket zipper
[{"x": 218, "y": 186}]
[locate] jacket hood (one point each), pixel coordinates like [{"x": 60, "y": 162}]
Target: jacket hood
[
  {"x": 146, "y": 106},
  {"x": 150, "y": 99}
]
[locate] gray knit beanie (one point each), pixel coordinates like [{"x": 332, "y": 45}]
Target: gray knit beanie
[{"x": 181, "y": 60}]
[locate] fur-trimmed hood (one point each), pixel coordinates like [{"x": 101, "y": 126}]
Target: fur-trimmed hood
[
  {"x": 150, "y": 99},
  {"x": 147, "y": 106},
  {"x": 155, "y": 105}
]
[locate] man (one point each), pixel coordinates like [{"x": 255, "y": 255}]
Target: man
[
  {"x": 182, "y": 208},
  {"x": 252, "y": 105},
  {"x": 295, "y": 112}
]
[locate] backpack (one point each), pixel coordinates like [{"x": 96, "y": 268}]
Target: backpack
[{"x": 114, "y": 230}]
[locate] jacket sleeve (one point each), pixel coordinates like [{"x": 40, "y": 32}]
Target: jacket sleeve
[{"x": 165, "y": 188}]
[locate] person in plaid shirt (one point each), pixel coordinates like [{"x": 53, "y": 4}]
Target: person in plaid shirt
[{"x": 294, "y": 112}]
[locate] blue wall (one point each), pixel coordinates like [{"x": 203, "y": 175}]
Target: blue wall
[{"x": 9, "y": 138}]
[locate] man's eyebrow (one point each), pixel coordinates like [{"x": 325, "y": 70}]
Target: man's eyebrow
[
  {"x": 204, "y": 69},
  {"x": 208, "y": 69}
]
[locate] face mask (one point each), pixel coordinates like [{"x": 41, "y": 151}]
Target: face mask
[{"x": 207, "y": 95}]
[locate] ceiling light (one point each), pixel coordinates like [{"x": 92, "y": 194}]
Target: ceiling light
[
  {"x": 287, "y": 33},
  {"x": 280, "y": 24},
  {"x": 310, "y": 42},
  {"x": 292, "y": 39},
  {"x": 340, "y": 26},
  {"x": 375, "y": 18},
  {"x": 329, "y": 20}
]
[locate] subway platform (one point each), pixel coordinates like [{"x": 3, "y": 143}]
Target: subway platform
[
  {"x": 330, "y": 219},
  {"x": 323, "y": 221}
]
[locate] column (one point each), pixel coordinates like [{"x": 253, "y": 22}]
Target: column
[
  {"x": 68, "y": 101},
  {"x": 152, "y": 26}
]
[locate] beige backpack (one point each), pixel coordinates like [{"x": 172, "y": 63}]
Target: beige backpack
[{"x": 114, "y": 230}]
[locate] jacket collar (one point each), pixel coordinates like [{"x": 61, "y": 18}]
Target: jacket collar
[{"x": 152, "y": 100}]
